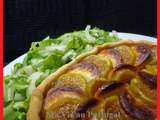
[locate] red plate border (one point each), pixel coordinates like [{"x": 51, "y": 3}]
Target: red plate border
[
  {"x": 1, "y": 59},
  {"x": 158, "y": 53}
]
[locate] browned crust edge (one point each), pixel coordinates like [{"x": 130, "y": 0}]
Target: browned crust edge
[{"x": 37, "y": 96}]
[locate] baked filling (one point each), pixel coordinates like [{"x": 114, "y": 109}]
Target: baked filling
[{"x": 116, "y": 83}]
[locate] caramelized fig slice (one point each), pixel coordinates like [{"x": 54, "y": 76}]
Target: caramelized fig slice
[
  {"x": 123, "y": 73},
  {"x": 71, "y": 79},
  {"x": 135, "y": 111},
  {"x": 58, "y": 96},
  {"x": 124, "y": 66},
  {"x": 88, "y": 70},
  {"x": 107, "y": 88},
  {"x": 85, "y": 109},
  {"x": 64, "y": 112},
  {"x": 149, "y": 79},
  {"x": 110, "y": 109},
  {"x": 127, "y": 54},
  {"x": 61, "y": 103},
  {"x": 112, "y": 54},
  {"x": 143, "y": 92},
  {"x": 143, "y": 54},
  {"x": 104, "y": 65},
  {"x": 93, "y": 85}
]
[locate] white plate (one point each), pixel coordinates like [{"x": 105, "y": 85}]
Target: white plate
[{"x": 7, "y": 70}]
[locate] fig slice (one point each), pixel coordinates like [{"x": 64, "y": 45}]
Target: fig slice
[
  {"x": 112, "y": 54},
  {"x": 123, "y": 73},
  {"x": 64, "y": 89},
  {"x": 143, "y": 54},
  {"x": 149, "y": 79},
  {"x": 107, "y": 88},
  {"x": 86, "y": 69},
  {"x": 58, "y": 96},
  {"x": 64, "y": 112},
  {"x": 94, "y": 85},
  {"x": 104, "y": 65},
  {"x": 110, "y": 109},
  {"x": 71, "y": 79},
  {"x": 124, "y": 66},
  {"x": 84, "y": 108},
  {"x": 61, "y": 103},
  {"x": 127, "y": 54},
  {"x": 143, "y": 93},
  {"x": 135, "y": 111}
]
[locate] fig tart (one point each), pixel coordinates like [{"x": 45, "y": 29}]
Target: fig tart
[{"x": 114, "y": 81}]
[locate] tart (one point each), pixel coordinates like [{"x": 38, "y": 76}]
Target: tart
[{"x": 114, "y": 81}]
